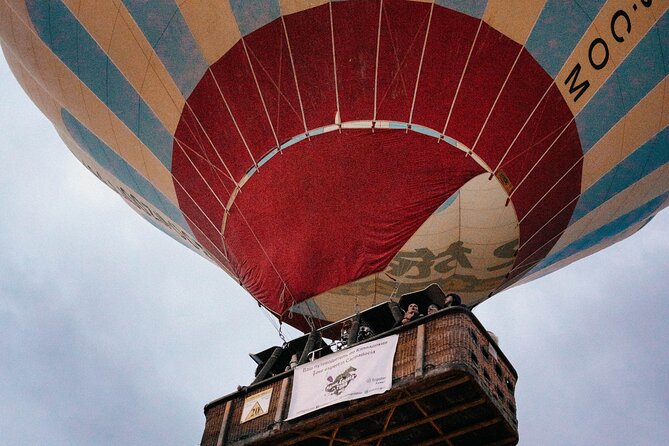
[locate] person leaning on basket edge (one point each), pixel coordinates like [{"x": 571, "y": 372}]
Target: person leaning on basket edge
[
  {"x": 411, "y": 314},
  {"x": 452, "y": 300}
]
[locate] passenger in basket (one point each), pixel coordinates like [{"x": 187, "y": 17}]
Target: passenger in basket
[
  {"x": 432, "y": 309},
  {"x": 411, "y": 314},
  {"x": 452, "y": 300}
]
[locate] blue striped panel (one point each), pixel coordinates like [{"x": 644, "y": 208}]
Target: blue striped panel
[
  {"x": 474, "y": 8},
  {"x": 557, "y": 31},
  {"x": 636, "y": 76},
  {"x": 70, "y": 41},
  {"x": 643, "y": 161},
  {"x": 446, "y": 204},
  {"x": 117, "y": 166},
  {"x": 604, "y": 233},
  {"x": 167, "y": 32},
  {"x": 254, "y": 14}
]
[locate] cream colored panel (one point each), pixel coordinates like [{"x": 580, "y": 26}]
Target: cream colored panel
[
  {"x": 28, "y": 83},
  {"x": 132, "y": 54},
  {"x": 581, "y": 254},
  {"x": 513, "y": 18},
  {"x": 20, "y": 10},
  {"x": 292, "y": 6},
  {"x": 71, "y": 87},
  {"x": 622, "y": 203},
  {"x": 640, "y": 125},
  {"x": 153, "y": 93},
  {"x": 98, "y": 17},
  {"x": 641, "y": 21},
  {"x": 99, "y": 119},
  {"x": 16, "y": 37},
  {"x": 72, "y": 95},
  {"x": 213, "y": 25}
]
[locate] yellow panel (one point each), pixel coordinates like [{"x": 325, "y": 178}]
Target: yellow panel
[
  {"x": 134, "y": 57},
  {"x": 513, "y": 18},
  {"x": 169, "y": 106},
  {"x": 292, "y": 6},
  {"x": 16, "y": 37},
  {"x": 98, "y": 17},
  {"x": 71, "y": 87},
  {"x": 71, "y": 94},
  {"x": 99, "y": 121},
  {"x": 213, "y": 25},
  {"x": 640, "y": 125},
  {"x": 27, "y": 82},
  {"x": 641, "y": 21},
  {"x": 664, "y": 120},
  {"x": 626, "y": 201},
  {"x": 581, "y": 254},
  {"x": 20, "y": 10},
  {"x": 75, "y": 5}
]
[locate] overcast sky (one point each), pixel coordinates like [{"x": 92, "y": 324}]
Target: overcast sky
[{"x": 111, "y": 333}]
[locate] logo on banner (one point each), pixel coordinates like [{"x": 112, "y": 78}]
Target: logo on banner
[
  {"x": 341, "y": 382},
  {"x": 356, "y": 372}
]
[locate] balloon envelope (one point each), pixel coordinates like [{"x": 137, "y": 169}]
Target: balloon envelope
[{"x": 333, "y": 155}]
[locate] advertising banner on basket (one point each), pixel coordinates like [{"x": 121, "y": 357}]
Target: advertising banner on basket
[{"x": 346, "y": 375}]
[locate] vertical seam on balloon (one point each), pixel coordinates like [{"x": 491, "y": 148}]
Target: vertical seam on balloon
[
  {"x": 334, "y": 59},
  {"x": 420, "y": 65},
  {"x": 149, "y": 66},
  {"x": 210, "y": 189},
  {"x": 278, "y": 86},
  {"x": 213, "y": 146},
  {"x": 376, "y": 66},
  {"x": 529, "y": 172},
  {"x": 398, "y": 72},
  {"x": 538, "y": 231},
  {"x": 111, "y": 121},
  {"x": 499, "y": 94},
  {"x": 209, "y": 164},
  {"x": 520, "y": 131},
  {"x": 462, "y": 76},
  {"x": 109, "y": 61},
  {"x": 262, "y": 99},
  {"x": 234, "y": 121},
  {"x": 589, "y": 214},
  {"x": 199, "y": 229},
  {"x": 297, "y": 85},
  {"x": 202, "y": 158},
  {"x": 552, "y": 187},
  {"x": 241, "y": 214}
]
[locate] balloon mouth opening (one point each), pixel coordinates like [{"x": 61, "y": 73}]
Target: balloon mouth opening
[
  {"x": 338, "y": 126},
  {"x": 472, "y": 238}
]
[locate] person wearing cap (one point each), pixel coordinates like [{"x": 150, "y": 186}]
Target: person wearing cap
[{"x": 452, "y": 300}]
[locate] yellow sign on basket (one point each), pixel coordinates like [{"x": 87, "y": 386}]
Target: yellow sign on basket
[{"x": 256, "y": 405}]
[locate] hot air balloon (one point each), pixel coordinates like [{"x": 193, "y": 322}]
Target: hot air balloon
[
  {"x": 329, "y": 155},
  {"x": 332, "y": 156}
]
